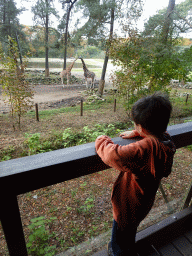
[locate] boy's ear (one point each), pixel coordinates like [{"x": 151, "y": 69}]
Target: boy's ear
[{"x": 139, "y": 128}]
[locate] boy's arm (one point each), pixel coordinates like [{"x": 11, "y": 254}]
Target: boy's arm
[
  {"x": 115, "y": 156},
  {"x": 129, "y": 134}
]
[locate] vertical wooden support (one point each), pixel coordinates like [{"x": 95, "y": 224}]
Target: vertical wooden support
[
  {"x": 187, "y": 98},
  {"x": 188, "y": 197},
  {"x": 12, "y": 226},
  {"x": 37, "y": 112},
  {"x": 170, "y": 209},
  {"x": 115, "y": 104},
  {"x": 81, "y": 107}
]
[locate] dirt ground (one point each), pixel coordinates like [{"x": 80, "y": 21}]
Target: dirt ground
[
  {"x": 52, "y": 97},
  {"x": 49, "y": 93},
  {"x": 44, "y": 94}
]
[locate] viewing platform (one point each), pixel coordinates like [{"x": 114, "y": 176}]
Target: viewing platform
[{"x": 171, "y": 236}]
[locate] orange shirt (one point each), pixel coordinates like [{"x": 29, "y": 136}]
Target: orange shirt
[{"x": 142, "y": 164}]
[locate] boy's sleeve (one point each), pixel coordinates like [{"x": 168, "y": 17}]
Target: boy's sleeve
[{"x": 121, "y": 158}]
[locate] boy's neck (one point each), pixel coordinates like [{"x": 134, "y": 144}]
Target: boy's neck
[{"x": 143, "y": 132}]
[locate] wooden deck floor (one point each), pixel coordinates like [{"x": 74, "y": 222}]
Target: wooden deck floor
[
  {"x": 181, "y": 246},
  {"x": 171, "y": 237}
]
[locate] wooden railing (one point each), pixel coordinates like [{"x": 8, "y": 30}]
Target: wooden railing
[{"x": 29, "y": 173}]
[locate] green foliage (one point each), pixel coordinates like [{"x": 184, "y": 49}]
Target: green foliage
[
  {"x": 71, "y": 138},
  {"x": 33, "y": 142},
  {"x": 90, "y": 52},
  {"x": 190, "y": 76},
  {"x": 180, "y": 14},
  {"x": 146, "y": 65},
  {"x": 96, "y": 17},
  {"x": 6, "y": 153},
  {"x": 150, "y": 59},
  {"x": 41, "y": 8},
  {"x": 131, "y": 77},
  {"x": 39, "y": 238},
  {"x": 87, "y": 206},
  {"x": 8, "y": 20},
  {"x": 36, "y": 145}
]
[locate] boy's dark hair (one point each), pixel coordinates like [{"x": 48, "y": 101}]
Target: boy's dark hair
[{"x": 152, "y": 113}]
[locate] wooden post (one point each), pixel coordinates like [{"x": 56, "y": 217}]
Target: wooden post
[
  {"x": 115, "y": 103},
  {"x": 187, "y": 98},
  {"x": 187, "y": 198},
  {"x": 37, "y": 112},
  {"x": 170, "y": 209},
  {"x": 81, "y": 107},
  {"x": 12, "y": 225}
]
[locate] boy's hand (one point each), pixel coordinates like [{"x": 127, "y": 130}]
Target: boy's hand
[{"x": 129, "y": 134}]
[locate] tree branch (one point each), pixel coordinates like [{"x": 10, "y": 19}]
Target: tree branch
[{"x": 188, "y": 23}]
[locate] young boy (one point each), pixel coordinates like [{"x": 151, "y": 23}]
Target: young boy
[{"x": 142, "y": 165}]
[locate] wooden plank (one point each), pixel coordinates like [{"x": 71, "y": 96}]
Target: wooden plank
[
  {"x": 166, "y": 230},
  {"x": 147, "y": 250},
  {"x": 169, "y": 250},
  {"x": 154, "y": 254},
  {"x": 155, "y": 251},
  {"x": 183, "y": 245},
  {"x": 188, "y": 235},
  {"x": 105, "y": 253}
]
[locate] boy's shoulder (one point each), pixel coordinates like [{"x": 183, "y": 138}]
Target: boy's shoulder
[{"x": 165, "y": 141}]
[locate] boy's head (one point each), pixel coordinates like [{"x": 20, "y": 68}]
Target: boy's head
[{"x": 152, "y": 113}]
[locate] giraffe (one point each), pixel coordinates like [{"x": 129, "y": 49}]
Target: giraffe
[
  {"x": 88, "y": 74},
  {"x": 67, "y": 73}
]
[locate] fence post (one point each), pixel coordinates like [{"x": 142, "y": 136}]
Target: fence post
[
  {"x": 187, "y": 198},
  {"x": 12, "y": 225},
  {"x": 170, "y": 209},
  {"x": 81, "y": 107},
  {"x": 37, "y": 112},
  {"x": 187, "y": 98},
  {"x": 115, "y": 103}
]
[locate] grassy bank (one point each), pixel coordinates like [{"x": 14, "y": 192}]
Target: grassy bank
[{"x": 56, "y": 122}]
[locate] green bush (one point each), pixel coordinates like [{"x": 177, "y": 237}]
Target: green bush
[
  {"x": 39, "y": 238},
  {"x": 90, "y": 52}
]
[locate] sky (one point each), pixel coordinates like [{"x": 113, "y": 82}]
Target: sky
[{"x": 150, "y": 8}]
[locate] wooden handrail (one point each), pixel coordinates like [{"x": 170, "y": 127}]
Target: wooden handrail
[{"x": 29, "y": 173}]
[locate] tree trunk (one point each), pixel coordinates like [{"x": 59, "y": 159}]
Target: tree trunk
[
  {"x": 4, "y": 12},
  {"x": 46, "y": 42},
  {"x": 168, "y": 21},
  {"x": 66, "y": 30},
  {"x": 66, "y": 34},
  {"x": 19, "y": 48},
  {"x": 102, "y": 80}
]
